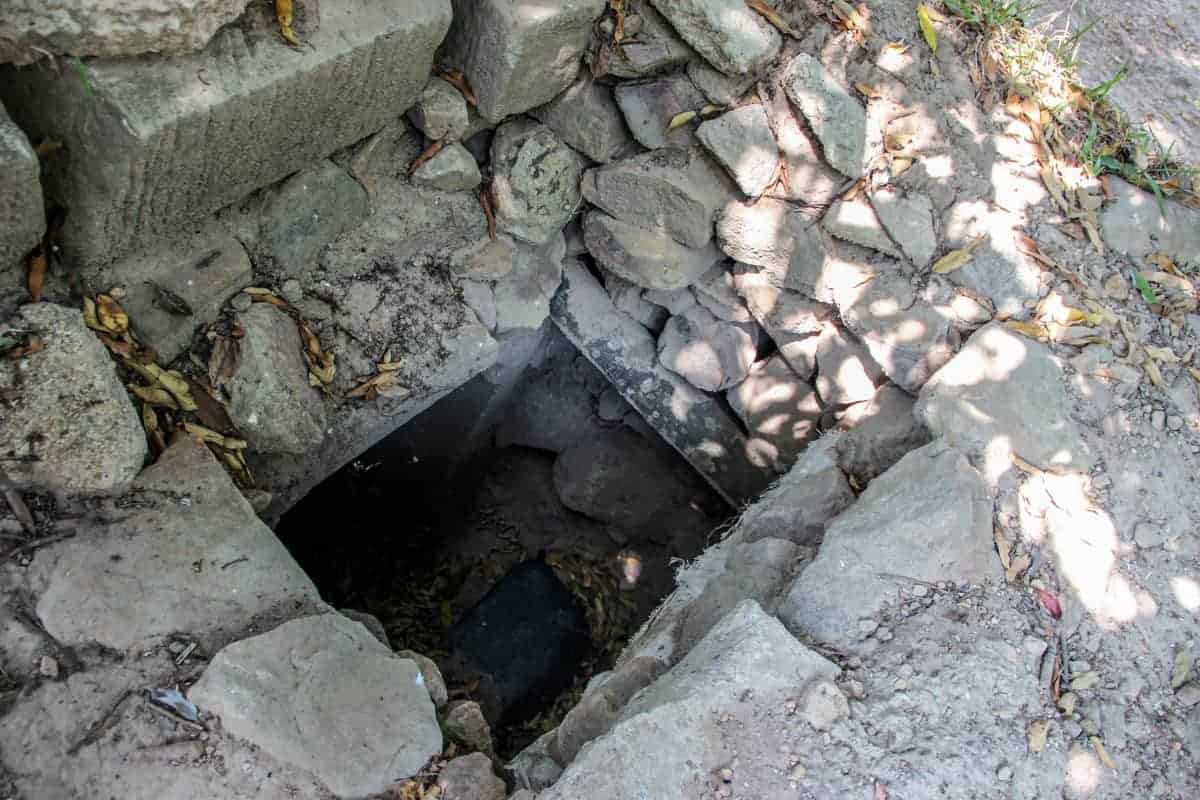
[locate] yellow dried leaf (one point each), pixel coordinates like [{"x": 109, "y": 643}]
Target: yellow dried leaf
[
  {"x": 956, "y": 259},
  {"x": 1164, "y": 354},
  {"x": 895, "y": 48},
  {"x": 177, "y": 385},
  {"x": 868, "y": 91},
  {"x": 110, "y": 314},
  {"x": 1182, "y": 668},
  {"x": 901, "y": 166},
  {"x": 283, "y": 14},
  {"x": 204, "y": 434},
  {"x": 149, "y": 418},
  {"x": 155, "y": 396},
  {"x": 1195, "y": 373},
  {"x": 89, "y": 315},
  {"x": 926, "y": 22},
  {"x": 256, "y": 291},
  {"x": 764, "y": 10},
  {"x": 711, "y": 109},
  {"x": 897, "y": 141},
  {"x": 680, "y": 119},
  {"x": 1105, "y": 758},
  {"x": 1032, "y": 329},
  {"x": 1153, "y": 373},
  {"x": 1019, "y": 564}
]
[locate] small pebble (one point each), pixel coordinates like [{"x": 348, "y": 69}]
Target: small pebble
[
  {"x": 1004, "y": 774},
  {"x": 920, "y": 591},
  {"x": 1174, "y": 423},
  {"x": 48, "y": 667},
  {"x": 1158, "y": 420},
  {"x": 291, "y": 291},
  {"x": 867, "y": 626},
  {"x": 883, "y": 635},
  {"x": 1188, "y": 695},
  {"x": 726, "y": 775}
]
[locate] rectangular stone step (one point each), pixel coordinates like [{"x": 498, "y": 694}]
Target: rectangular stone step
[
  {"x": 152, "y": 144},
  {"x": 694, "y": 423}
]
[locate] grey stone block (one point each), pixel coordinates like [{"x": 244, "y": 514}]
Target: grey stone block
[
  {"x": 689, "y": 420},
  {"x": 780, "y": 411},
  {"x": 709, "y": 353},
  {"x": 742, "y": 141},
  {"x": 587, "y": 118},
  {"x": 451, "y": 170},
  {"x": 729, "y": 35},
  {"x": 649, "y": 107},
  {"x": 647, "y": 258},
  {"x": 838, "y": 120},
  {"x": 535, "y": 181},
  {"x": 518, "y": 54},
  {"x": 154, "y": 143},
  {"x": 655, "y": 49},
  {"x": 440, "y": 112},
  {"x": 306, "y": 212},
  {"x": 22, "y": 219},
  {"x": 1137, "y": 226}
]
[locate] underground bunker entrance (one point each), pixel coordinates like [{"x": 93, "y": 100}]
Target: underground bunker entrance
[{"x": 522, "y": 564}]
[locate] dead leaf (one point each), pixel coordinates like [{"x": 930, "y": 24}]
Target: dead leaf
[
  {"x": 224, "y": 361},
  {"x": 1037, "y": 732},
  {"x": 1105, "y": 758},
  {"x": 1049, "y": 602},
  {"x": 1020, "y": 563},
  {"x": 925, "y": 20},
  {"x": 110, "y": 315},
  {"x": 956, "y": 259},
  {"x": 764, "y": 10},
  {"x": 868, "y": 91},
  {"x": 901, "y": 166},
  {"x": 155, "y": 396},
  {"x": 283, "y": 15},
  {"x": 169, "y": 301},
  {"x": 1033, "y": 329},
  {"x": 382, "y": 384},
  {"x": 895, "y": 48},
  {"x": 1003, "y": 547},
  {"x": 680, "y": 119},
  {"x": 47, "y": 146},
  {"x": 429, "y": 152},
  {"x": 209, "y": 410},
  {"x": 31, "y": 346},
  {"x": 37, "y": 272},
  {"x": 271, "y": 299},
  {"x": 489, "y": 211},
  {"x": 1074, "y": 230},
  {"x": 458, "y": 80}
]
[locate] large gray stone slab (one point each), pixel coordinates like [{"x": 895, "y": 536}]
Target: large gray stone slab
[
  {"x": 787, "y": 245},
  {"x": 855, "y": 221},
  {"x": 31, "y": 29},
  {"x": 587, "y": 118},
  {"x": 191, "y": 556},
  {"x": 535, "y": 182},
  {"x": 809, "y": 179},
  {"x": 689, "y": 420},
  {"x": 322, "y": 694},
  {"x": 649, "y": 106},
  {"x": 908, "y": 219},
  {"x": 152, "y": 144},
  {"x": 22, "y": 218},
  {"x": 70, "y": 425},
  {"x": 928, "y": 518},
  {"x": 742, "y": 141},
  {"x": 677, "y": 191},
  {"x": 1004, "y": 394},
  {"x": 518, "y": 54},
  {"x": 878, "y": 433},
  {"x": 1137, "y": 226},
  {"x": 729, "y": 35},
  {"x": 835, "y": 117},
  {"x": 305, "y": 212},
  {"x": 648, "y": 258},
  {"x": 747, "y": 663}
]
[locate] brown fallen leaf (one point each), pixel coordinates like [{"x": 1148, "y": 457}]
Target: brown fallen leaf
[
  {"x": 1074, "y": 230},
  {"x": 209, "y": 410},
  {"x": 489, "y": 208},
  {"x": 110, "y": 315},
  {"x": 764, "y": 10},
  {"x": 868, "y": 91},
  {"x": 170, "y": 380},
  {"x": 956, "y": 259},
  {"x": 47, "y": 146},
  {"x": 154, "y": 433},
  {"x": 1049, "y": 602},
  {"x": 1033, "y": 329},
  {"x": 429, "y": 152},
  {"x": 382, "y": 384},
  {"x": 37, "y": 272},
  {"x": 1019, "y": 564},
  {"x": 271, "y": 299},
  {"x": 1003, "y": 547},
  {"x": 458, "y": 80},
  {"x": 32, "y": 345},
  {"x": 224, "y": 361},
  {"x": 155, "y": 396}
]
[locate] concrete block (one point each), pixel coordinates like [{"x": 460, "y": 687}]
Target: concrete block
[
  {"x": 22, "y": 219},
  {"x": 153, "y": 143},
  {"x": 518, "y": 54}
]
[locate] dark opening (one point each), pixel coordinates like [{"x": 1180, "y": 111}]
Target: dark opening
[{"x": 522, "y": 562}]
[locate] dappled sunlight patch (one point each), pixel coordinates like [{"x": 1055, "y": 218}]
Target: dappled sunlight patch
[{"x": 1187, "y": 592}]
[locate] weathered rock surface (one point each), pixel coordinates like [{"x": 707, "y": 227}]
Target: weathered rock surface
[
  {"x": 688, "y": 419},
  {"x": 928, "y": 518},
  {"x": 617, "y": 477},
  {"x": 146, "y": 159},
  {"x": 470, "y": 777},
  {"x": 855, "y": 221},
  {"x": 523, "y": 296},
  {"x": 726, "y": 33},
  {"x": 600, "y": 706},
  {"x": 846, "y": 373},
  {"x": 719, "y": 88},
  {"x": 648, "y": 258},
  {"x": 797, "y": 508},
  {"x": 780, "y": 411},
  {"x": 72, "y": 427},
  {"x": 1136, "y": 226},
  {"x": 676, "y": 191},
  {"x": 173, "y": 549},
  {"x": 464, "y": 723},
  {"x": 742, "y": 141},
  {"x": 716, "y": 291},
  {"x": 270, "y": 398},
  {"x": 587, "y": 118},
  {"x": 656, "y": 49},
  {"x": 322, "y": 694},
  {"x": 627, "y": 297},
  {"x": 550, "y": 411},
  {"x": 435, "y": 684},
  {"x": 795, "y": 324},
  {"x": 878, "y": 433},
  {"x": 709, "y": 353},
  {"x": 649, "y": 106},
  {"x": 518, "y": 55},
  {"x": 837, "y": 119},
  {"x": 453, "y": 169},
  {"x": 536, "y": 181},
  {"x": 440, "y": 112},
  {"x": 30, "y": 29},
  {"x": 677, "y": 717},
  {"x": 307, "y": 211},
  {"x": 908, "y": 219},
  {"x": 809, "y": 178},
  {"x": 22, "y": 218},
  {"x": 1004, "y": 394},
  {"x": 776, "y": 237}
]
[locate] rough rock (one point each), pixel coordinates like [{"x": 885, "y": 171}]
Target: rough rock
[
  {"x": 440, "y": 112},
  {"x": 746, "y": 655},
  {"x": 464, "y": 723},
  {"x": 617, "y": 477},
  {"x": 600, "y": 706},
  {"x": 928, "y": 518},
  {"x": 719, "y": 88},
  {"x": 430, "y": 674},
  {"x": 533, "y": 769},
  {"x": 675, "y": 301},
  {"x": 587, "y": 118},
  {"x": 1137, "y": 226},
  {"x": 742, "y": 141},
  {"x": 778, "y": 238},
  {"x": 716, "y": 291},
  {"x": 627, "y": 297},
  {"x": 809, "y": 179},
  {"x": 999, "y": 271},
  {"x": 878, "y": 433},
  {"x": 855, "y": 221},
  {"x": 823, "y": 705},
  {"x": 846, "y": 373},
  {"x": 689, "y": 420},
  {"x": 648, "y": 107},
  {"x": 523, "y": 296},
  {"x": 761, "y": 571},
  {"x": 908, "y": 338},
  {"x": 470, "y": 777},
  {"x": 453, "y": 169},
  {"x": 306, "y": 212},
  {"x": 709, "y": 353},
  {"x": 551, "y": 411},
  {"x": 795, "y": 324},
  {"x": 485, "y": 259},
  {"x": 908, "y": 219},
  {"x": 835, "y": 117},
  {"x": 648, "y": 258},
  {"x": 656, "y": 49},
  {"x": 1004, "y": 394},
  {"x": 327, "y": 674},
  {"x": 146, "y": 159},
  {"x": 270, "y": 399},
  {"x": 175, "y": 544},
  {"x": 611, "y": 407},
  {"x": 676, "y": 191},
  {"x": 22, "y": 217},
  {"x": 371, "y": 623},
  {"x": 69, "y": 411},
  {"x": 30, "y": 29},
  {"x": 779, "y": 410},
  {"x": 730, "y": 36},
  {"x": 536, "y": 181},
  {"x": 798, "y": 507},
  {"x": 518, "y": 55}
]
